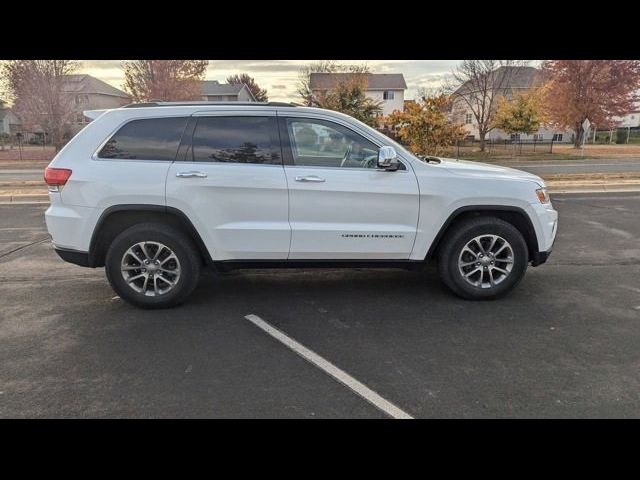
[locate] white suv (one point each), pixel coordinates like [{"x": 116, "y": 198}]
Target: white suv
[{"x": 154, "y": 192}]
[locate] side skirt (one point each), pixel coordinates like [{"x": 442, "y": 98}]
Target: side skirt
[{"x": 228, "y": 265}]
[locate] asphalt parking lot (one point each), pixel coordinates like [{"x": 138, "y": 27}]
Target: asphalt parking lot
[{"x": 564, "y": 344}]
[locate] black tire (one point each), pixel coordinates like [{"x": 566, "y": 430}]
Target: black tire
[
  {"x": 464, "y": 232},
  {"x": 181, "y": 245}
]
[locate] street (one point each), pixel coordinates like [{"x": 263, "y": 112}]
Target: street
[{"x": 563, "y": 344}]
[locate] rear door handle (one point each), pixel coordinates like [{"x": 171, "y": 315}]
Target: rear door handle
[
  {"x": 191, "y": 174},
  {"x": 310, "y": 178}
]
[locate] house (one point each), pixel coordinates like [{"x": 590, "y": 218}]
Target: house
[
  {"x": 631, "y": 119},
  {"x": 10, "y": 123},
  {"x": 386, "y": 88},
  {"x": 511, "y": 81},
  {"x": 214, "y": 91},
  {"x": 88, "y": 93}
]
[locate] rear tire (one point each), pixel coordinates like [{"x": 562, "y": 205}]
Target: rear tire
[
  {"x": 482, "y": 258},
  {"x": 153, "y": 265}
]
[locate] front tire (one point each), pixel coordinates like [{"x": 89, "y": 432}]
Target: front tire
[
  {"x": 482, "y": 258},
  {"x": 153, "y": 266}
]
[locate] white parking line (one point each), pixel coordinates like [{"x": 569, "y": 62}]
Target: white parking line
[{"x": 340, "y": 375}]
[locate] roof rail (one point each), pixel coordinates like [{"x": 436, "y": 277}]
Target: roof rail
[{"x": 208, "y": 103}]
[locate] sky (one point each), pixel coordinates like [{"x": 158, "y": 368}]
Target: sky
[{"x": 279, "y": 77}]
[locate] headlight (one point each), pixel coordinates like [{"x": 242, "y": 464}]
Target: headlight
[{"x": 543, "y": 196}]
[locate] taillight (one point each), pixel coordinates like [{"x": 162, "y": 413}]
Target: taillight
[{"x": 56, "y": 177}]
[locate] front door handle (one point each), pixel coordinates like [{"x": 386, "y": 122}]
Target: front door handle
[
  {"x": 310, "y": 178},
  {"x": 191, "y": 174}
]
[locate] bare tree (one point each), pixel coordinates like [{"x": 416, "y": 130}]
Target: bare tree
[
  {"x": 303, "y": 86},
  {"x": 168, "y": 80},
  {"x": 36, "y": 87},
  {"x": 476, "y": 85}
]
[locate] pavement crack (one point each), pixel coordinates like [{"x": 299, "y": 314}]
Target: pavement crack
[{"x": 22, "y": 247}]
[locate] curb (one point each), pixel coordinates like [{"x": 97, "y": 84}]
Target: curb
[{"x": 40, "y": 198}]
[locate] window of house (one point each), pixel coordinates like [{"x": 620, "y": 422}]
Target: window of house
[
  {"x": 515, "y": 136},
  {"x": 468, "y": 118},
  {"x": 80, "y": 99},
  {"x": 537, "y": 137},
  {"x": 557, "y": 137},
  {"x": 146, "y": 139},
  {"x": 326, "y": 144},
  {"x": 388, "y": 95},
  {"x": 236, "y": 140}
]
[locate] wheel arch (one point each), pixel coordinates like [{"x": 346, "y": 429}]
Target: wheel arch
[
  {"x": 516, "y": 216},
  {"x": 117, "y": 218}
]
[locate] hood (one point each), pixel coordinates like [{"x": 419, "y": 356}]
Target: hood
[{"x": 477, "y": 169}]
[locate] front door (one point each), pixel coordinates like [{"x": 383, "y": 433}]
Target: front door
[{"x": 341, "y": 206}]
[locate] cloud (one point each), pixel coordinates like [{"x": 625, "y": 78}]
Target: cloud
[{"x": 282, "y": 75}]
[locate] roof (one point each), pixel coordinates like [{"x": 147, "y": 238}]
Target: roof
[
  {"x": 375, "y": 81},
  {"x": 513, "y": 77},
  {"x": 87, "y": 84},
  {"x": 213, "y": 87}
]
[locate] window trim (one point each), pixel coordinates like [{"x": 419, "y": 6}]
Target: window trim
[
  {"x": 185, "y": 149},
  {"x": 287, "y": 153},
  {"x": 117, "y": 128}
]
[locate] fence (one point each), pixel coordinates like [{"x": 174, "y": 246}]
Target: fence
[
  {"x": 623, "y": 135},
  {"x": 504, "y": 147}
]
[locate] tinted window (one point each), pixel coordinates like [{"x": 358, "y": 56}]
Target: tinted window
[
  {"x": 236, "y": 140},
  {"x": 147, "y": 139},
  {"x": 326, "y": 144}
]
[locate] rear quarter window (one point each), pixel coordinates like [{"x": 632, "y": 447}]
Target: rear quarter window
[{"x": 146, "y": 139}]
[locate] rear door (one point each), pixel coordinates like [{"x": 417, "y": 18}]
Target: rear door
[
  {"x": 341, "y": 206},
  {"x": 230, "y": 181}
]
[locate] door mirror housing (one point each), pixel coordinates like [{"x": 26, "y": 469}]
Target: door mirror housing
[{"x": 388, "y": 158}]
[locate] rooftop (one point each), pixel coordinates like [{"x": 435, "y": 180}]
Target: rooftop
[
  {"x": 213, "y": 87},
  {"x": 375, "y": 81},
  {"x": 88, "y": 84}
]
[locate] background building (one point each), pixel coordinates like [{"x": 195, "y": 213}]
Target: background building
[
  {"x": 89, "y": 93},
  {"x": 214, "y": 91},
  {"x": 512, "y": 80},
  {"x": 387, "y": 88}
]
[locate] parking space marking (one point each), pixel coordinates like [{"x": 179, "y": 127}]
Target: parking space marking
[{"x": 328, "y": 367}]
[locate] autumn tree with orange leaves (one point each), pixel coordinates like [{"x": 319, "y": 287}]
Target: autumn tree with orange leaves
[
  {"x": 424, "y": 126},
  {"x": 164, "y": 80},
  {"x": 595, "y": 89}
]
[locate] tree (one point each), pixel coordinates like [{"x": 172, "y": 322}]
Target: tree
[
  {"x": 164, "y": 80},
  {"x": 522, "y": 114},
  {"x": 477, "y": 85},
  {"x": 595, "y": 89},
  {"x": 348, "y": 96},
  {"x": 36, "y": 87},
  {"x": 424, "y": 126},
  {"x": 304, "y": 78},
  {"x": 260, "y": 94}
]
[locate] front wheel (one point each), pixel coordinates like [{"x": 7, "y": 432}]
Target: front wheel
[
  {"x": 153, "y": 266},
  {"x": 483, "y": 258}
]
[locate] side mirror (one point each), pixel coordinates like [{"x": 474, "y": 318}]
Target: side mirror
[{"x": 388, "y": 158}]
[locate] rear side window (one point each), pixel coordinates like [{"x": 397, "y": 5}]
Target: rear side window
[
  {"x": 146, "y": 139},
  {"x": 236, "y": 140}
]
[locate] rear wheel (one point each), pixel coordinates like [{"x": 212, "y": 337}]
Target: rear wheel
[
  {"x": 482, "y": 258},
  {"x": 153, "y": 266}
]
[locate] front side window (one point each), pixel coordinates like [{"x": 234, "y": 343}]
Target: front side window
[
  {"x": 236, "y": 140},
  {"x": 326, "y": 144},
  {"x": 388, "y": 95},
  {"x": 146, "y": 139}
]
